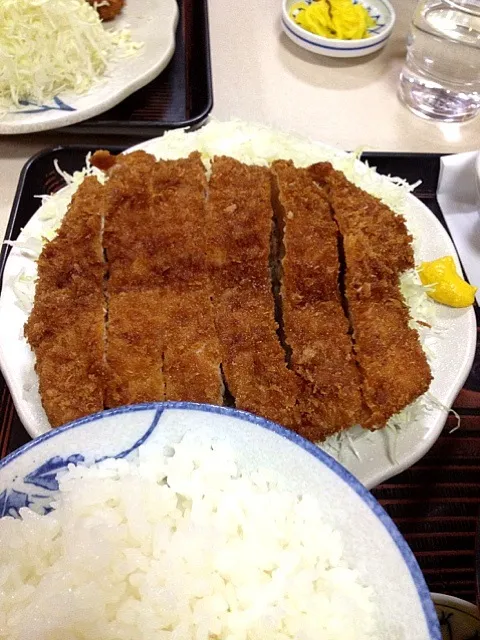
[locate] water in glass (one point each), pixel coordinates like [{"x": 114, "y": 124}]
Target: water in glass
[{"x": 441, "y": 76}]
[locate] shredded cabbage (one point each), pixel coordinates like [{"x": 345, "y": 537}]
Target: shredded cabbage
[{"x": 51, "y": 46}]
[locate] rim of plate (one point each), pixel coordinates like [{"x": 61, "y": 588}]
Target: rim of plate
[{"x": 343, "y": 474}]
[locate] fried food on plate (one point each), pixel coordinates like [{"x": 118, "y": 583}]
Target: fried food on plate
[
  {"x": 314, "y": 323},
  {"x": 159, "y": 292},
  {"x": 107, "y": 9},
  {"x": 239, "y": 225},
  {"x": 377, "y": 249},
  {"x": 66, "y": 326},
  {"x": 376, "y": 243}
]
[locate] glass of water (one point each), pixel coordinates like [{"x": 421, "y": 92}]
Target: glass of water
[{"x": 441, "y": 76}]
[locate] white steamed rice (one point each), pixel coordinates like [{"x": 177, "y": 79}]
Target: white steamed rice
[{"x": 180, "y": 547}]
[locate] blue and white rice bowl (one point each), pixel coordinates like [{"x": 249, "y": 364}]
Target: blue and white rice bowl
[
  {"x": 380, "y": 10},
  {"x": 371, "y": 542}
]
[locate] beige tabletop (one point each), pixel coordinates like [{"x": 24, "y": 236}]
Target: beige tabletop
[{"x": 260, "y": 75}]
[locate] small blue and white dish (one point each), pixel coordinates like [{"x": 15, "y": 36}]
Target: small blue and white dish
[
  {"x": 372, "y": 543},
  {"x": 380, "y": 10}
]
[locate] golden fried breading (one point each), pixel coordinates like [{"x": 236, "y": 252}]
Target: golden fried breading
[
  {"x": 314, "y": 322},
  {"x": 135, "y": 346},
  {"x": 154, "y": 221},
  {"x": 239, "y": 225},
  {"x": 191, "y": 361},
  {"x": 239, "y": 220},
  {"x": 252, "y": 357},
  {"x": 66, "y": 325},
  {"x": 167, "y": 276},
  {"x": 377, "y": 248},
  {"x": 310, "y": 262},
  {"x": 376, "y": 243},
  {"x": 322, "y": 356},
  {"x": 393, "y": 365},
  {"x": 107, "y": 11},
  {"x": 129, "y": 223}
]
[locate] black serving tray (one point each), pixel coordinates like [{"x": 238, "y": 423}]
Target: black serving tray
[{"x": 181, "y": 96}]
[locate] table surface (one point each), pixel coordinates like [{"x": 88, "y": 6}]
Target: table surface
[{"x": 260, "y": 75}]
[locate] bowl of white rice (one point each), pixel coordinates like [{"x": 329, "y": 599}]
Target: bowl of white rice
[{"x": 178, "y": 521}]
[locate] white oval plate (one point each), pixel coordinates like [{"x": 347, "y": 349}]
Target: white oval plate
[
  {"x": 377, "y": 456},
  {"x": 152, "y": 22}
]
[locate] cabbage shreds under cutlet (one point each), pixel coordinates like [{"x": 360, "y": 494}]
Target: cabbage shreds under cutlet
[
  {"x": 239, "y": 223},
  {"x": 166, "y": 272},
  {"x": 66, "y": 326},
  {"x": 314, "y": 322},
  {"x": 377, "y": 249}
]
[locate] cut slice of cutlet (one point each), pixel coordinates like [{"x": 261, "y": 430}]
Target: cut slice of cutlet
[
  {"x": 377, "y": 248},
  {"x": 239, "y": 226},
  {"x": 314, "y": 322},
  {"x": 135, "y": 344},
  {"x": 376, "y": 242},
  {"x": 393, "y": 364},
  {"x": 192, "y": 351},
  {"x": 166, "y": 280},
  {"x": 66, "y": 326}
]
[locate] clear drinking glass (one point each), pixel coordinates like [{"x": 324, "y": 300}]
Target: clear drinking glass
[{"x": 441, "y": 76}]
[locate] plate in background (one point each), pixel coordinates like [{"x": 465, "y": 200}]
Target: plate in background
[{"x": 152, "y": 22}]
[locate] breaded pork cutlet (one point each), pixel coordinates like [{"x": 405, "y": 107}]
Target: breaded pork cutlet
[
  {"x": 192, "y": 351},
  {"x": 135, "y": 344},
  {"x": 239, "y": 224},
  {"x": 108, "y": 9},
  {"x": 376, "y": 243},
  {"x": 66, "y": 326},
  {"x": 393, "y": 364},
  {"x": 314, "y": 322},
  {"x": 377, "y": 249},
  {"x": 160, "y": 311}
]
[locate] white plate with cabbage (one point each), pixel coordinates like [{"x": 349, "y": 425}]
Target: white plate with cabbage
[
  {"x": 59, "y": 64},
  {"x": 450, "y": 342}
]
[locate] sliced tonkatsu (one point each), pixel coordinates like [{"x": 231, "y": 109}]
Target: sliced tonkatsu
[
  {"x": 239, "y": 226},
  {"x": 167, "y": 275},
  {"x": 66, "y": 326},
  {"x": 377, "y": 249},
  {"x": 376, "y": 242},
  {"x": 314, "y": 323}
]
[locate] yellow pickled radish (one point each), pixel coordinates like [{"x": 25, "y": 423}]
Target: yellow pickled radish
[
  {"x": 340, "y": 19},
  {"x": 447, "y": 287}
]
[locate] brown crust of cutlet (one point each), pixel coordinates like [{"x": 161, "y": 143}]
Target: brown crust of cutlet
[
  {"x": 239, "y": 225},
  {"x": 376, "y": 242},
  {"x": 310, "y": 264},
  {"x": 66, "y": 326},
  {"x": 253, "y": 359},
  {"x": 108, "y": 11},
  {"x": 394, "y": 367},
  {"x": 135, "y": 348},
  {"x": 191, "y": 360},
  {"x": 377, "y": 249},
  {"x": 169, "y": 267},
  {"x": 314, "y": 323}
]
